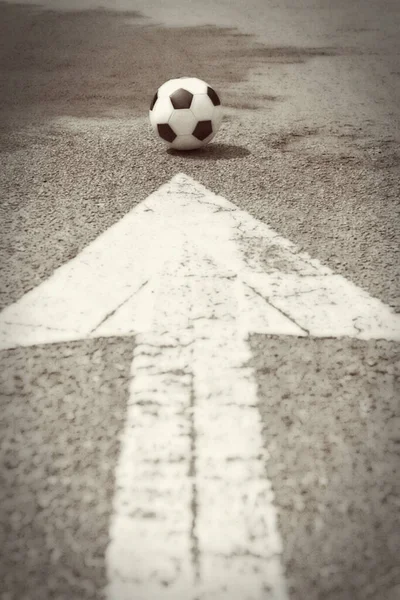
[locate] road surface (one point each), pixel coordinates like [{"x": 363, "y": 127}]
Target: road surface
[{"x": 308, "y": 149}]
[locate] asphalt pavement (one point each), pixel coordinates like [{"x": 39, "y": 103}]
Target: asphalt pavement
[{"x": 309, "y": 145}]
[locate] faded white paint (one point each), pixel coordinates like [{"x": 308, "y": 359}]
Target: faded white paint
[
  {"x": 193, "y": 510},
  {"x": 192, "y": 276},
  {"x": 106, "y": 289}
]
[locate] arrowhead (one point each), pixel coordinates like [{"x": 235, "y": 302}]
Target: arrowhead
[{"x": 181, "y": 242}]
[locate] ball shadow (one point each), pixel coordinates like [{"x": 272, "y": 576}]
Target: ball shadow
[{"x": 212, "y": 152}]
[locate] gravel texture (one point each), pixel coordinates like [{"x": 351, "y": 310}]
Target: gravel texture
[
  {"x": 332, "y": 430},
  {"x": 309, "y": 145},
  {"x": 62, "y": 409}
]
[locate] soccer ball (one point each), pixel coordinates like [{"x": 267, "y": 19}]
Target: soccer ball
[{"x": 186, "y": 113}]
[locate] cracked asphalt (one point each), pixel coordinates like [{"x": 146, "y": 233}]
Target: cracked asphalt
[{"x": 310, "y": 146}]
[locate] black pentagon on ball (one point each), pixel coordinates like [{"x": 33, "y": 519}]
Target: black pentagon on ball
[
  {"x": 181, "y": 98},
  {"x": 154, "y": 101},
  {"x": 202, "y": 130},
  {"x": 212, "y": 94},
  {"x": 166, "y": 132}
]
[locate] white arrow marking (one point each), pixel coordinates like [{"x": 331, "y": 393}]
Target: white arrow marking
[
  {"x": 194, "y": 517},
  {"x": 191, "y": 275},
  {"x": 106, "y": 289}
]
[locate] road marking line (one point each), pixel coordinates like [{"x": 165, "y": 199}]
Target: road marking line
[
  {"x": 100, "y": 292},
  {"x": 193, "y": 509},
  {"x": 192, "y": 276}
]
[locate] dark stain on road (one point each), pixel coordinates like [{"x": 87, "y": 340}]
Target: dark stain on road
[
  {"x": 290, "y": 54},
  {"x": 107, "y": 64}
]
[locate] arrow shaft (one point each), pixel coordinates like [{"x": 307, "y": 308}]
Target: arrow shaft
[
  {"x": 151, "y": 545},
  {"x": 194, "y": 518},
  {"x": 239, "y": 545}
]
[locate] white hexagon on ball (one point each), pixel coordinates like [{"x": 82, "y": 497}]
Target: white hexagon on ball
[
  {"x": 183, "y": 121},
  {"x": 185, "y": 142},
  {"x": 168, "y": 87},
  {"x": 162, "y": 112},
  {"x": 186, "y": 113},
  {"x": 202, "y": 107},
  {"x": 195, "y": 85}
]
